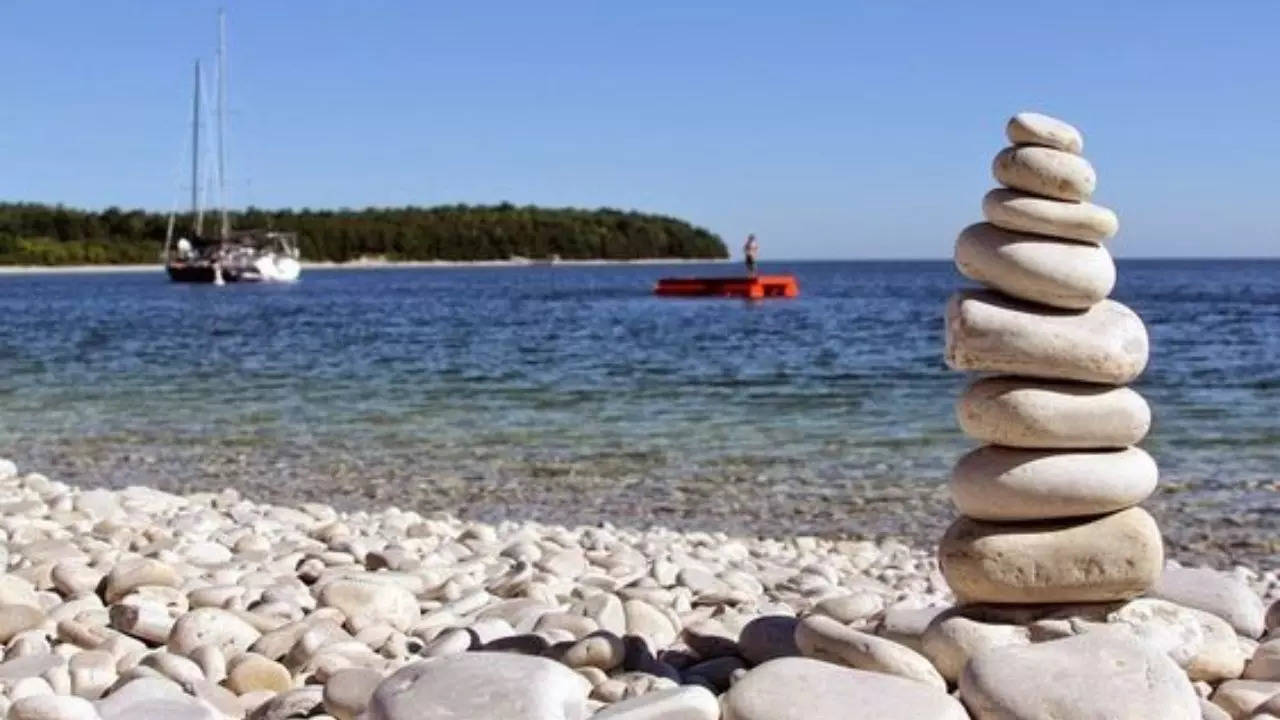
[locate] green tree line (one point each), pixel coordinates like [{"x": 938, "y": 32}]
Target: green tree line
[{"x": 37, "y": 234}]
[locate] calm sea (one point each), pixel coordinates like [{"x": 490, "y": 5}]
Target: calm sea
[{"x": 562, "y": 391}]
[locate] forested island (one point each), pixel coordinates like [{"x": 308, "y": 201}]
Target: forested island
[{"x": 38, "y": 234}]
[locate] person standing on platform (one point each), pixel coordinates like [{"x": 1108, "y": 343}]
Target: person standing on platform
[{"x": 749, "y": 250}]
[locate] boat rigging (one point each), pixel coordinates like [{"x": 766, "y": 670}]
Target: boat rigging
[{"x": 229, "y": 256}]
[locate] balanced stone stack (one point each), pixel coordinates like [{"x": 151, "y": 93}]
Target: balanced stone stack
[{"x": 1049, "y": 503}]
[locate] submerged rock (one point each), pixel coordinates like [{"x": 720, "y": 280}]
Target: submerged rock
[{"x": 822, "y": 638}]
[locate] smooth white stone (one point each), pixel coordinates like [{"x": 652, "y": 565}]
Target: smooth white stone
[
  {"x": 831, "y": 692},
  {"x": 1023, "y": 212},
  {"x": 153, "y": 698},
  {"x": 951, "y": 639},
  {"x": 1096, "y": 676},
  {"x": 1045, "y": 171},
  {"x": 1059, "y": 273},
  {"x": 1043, "y": 414},
  {"x": 128, "y": 576},
  {"x": 1265, "y": 663},
  {"x": 347, "y": 692},
  {"x": 378, "y": 601},
  {"x": 689, "y": 702},
  {"x": 1003, "y": 484},
  {"x": 1214, "y": 592},
  {"x": 52, "y": 707},
  {"x": 987, "y": 332},
  {"x": 1244, "y": 699},
  {"x": 482, "y": 686},
  {"x": 1202, "y": 644},
  {"x": 212, "y": 626},
  {"x": 1033, "y": 128},
  {"x": 1113, "y": 557}
]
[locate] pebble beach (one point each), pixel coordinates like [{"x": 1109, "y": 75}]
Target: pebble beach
[{"x": 140, "y": 603}]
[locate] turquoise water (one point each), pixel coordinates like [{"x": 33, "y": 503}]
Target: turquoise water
[{"x": 558, "y": 390}]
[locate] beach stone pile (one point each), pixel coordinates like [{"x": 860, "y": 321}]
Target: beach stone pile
[
  {"x": 1048, "y": 504},
  {"x": 140, "y": 604},
  {"x": 1065, "y": 606}
]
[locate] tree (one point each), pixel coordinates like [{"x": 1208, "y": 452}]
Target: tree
[{"x": 42, "y": 234}]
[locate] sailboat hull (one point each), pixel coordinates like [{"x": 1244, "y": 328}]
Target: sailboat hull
[{"x": 198, "y": 274}]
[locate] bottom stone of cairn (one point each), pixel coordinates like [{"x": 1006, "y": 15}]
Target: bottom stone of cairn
[{"x": 1096, "y": 559}]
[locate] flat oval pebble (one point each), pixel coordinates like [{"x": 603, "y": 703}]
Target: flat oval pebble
[
  {"x": 1202, "y": 644},
  {"x": 1265, "y": 663},
  {"x": 15, "y": 619},
  {"x": 823, "y": 638},
  {"x": 1214, "y": 592},
  {"x": 1045, "y": 171},
  {"x": 646, "y": 621},
  {"x": 1058, "y": 273},
  {"x": 905, "y": 622},
  {"x": 347, "y": 692},
  {"x": 52, "y": 707},
  {"x": 252, "y": 671},
  {"x": 602, "y": 650},
  {"x": 1096, "y": 676},
  {"x": 1033, "y": 128},
  {"x": 831, "y": 692},
  {"x": 482, "y": 686},
  {"x": 1027, "y": 413},
  {"x": 212, "y": 626},
  {"x": 372, "y": 599},
  {"x": 1113, "y": 557},
  {"x": 851, "y": 608},
  {"x": 987, "y": 332},
  {"x": 151, "y": 697},
  {"x": 689, "y": 702},
  {"x": 1243, "y": 698},
  {"x": 128, "y": 576},
  {"x": 1023, "y": 212},
  {"x": 952, "y": 638},
  {"x": 1001, "y": 483}
]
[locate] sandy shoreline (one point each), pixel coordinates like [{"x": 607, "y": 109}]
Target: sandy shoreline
[{"x": 359, "y": 265}]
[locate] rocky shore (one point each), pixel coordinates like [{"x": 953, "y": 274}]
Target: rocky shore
[{"x": 139, "y": 603}]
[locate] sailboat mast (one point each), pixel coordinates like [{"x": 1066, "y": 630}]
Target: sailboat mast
[
  {"x": 196, "y": 210},
  {"x": 225, "y": 226}
]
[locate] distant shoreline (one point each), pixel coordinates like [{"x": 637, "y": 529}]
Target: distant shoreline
[
  {"x": 360, "y": 265},
  {"x": 395, "y": 264}
]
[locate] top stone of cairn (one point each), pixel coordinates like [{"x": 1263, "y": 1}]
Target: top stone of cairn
[{"x": 1029, "y": 128}]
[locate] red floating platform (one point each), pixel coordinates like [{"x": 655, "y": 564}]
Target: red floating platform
[{"x": 761, "y": 286}]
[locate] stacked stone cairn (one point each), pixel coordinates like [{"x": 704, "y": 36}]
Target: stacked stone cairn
[{"x": 1048, "y": 503}]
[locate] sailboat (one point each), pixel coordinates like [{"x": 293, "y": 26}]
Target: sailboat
[{"x": 229, "y": 255}]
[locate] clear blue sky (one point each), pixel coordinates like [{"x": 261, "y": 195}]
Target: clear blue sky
[{"x": 830, "y": 128}]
